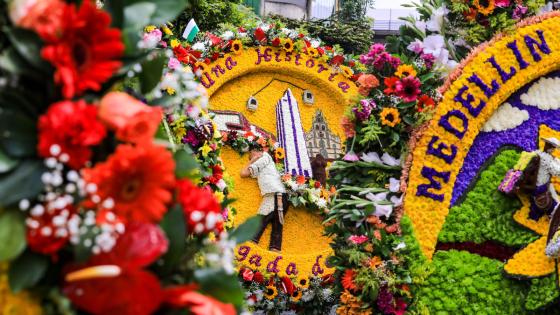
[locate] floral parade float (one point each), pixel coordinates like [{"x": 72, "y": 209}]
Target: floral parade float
[{"x": 487, "y": 126}]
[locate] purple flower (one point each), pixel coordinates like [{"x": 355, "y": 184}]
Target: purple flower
[
  {"x": 377, "y": 48},
  {"x": 351, "y": 157},
  {"x": 394, "y": 61},
  {"x": 416, "y": 46},
  {"x": 385, "y": 301},
  {"x": 428, "y": 59},
  {"x": 191, "y": 138},
  {"x": 363, "y": 111},
  {"x": 519, "y": 12}
]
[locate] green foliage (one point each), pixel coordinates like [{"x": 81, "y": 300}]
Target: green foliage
[
  {"x": 12, "y": 234},
  {"x": 486, "y": 214},
  {"x": 464, "y": 283},
  {"x": 212, "y": 15},
  {"x": 27, "y": 270},
  {"x": 354, "y": 36},
  {"x": 543, "y": 293},
  {"x": 353, "y": 10}
]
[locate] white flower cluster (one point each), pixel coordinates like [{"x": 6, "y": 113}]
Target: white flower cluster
[
  {"x": 222, "y": 256},
  {"x": 544, "y": 94},
  {"x": 505, "y": 117},
  {"x": 56, "y": 216}
]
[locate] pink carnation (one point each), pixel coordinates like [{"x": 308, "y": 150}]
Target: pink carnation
[{"x": 358, "y": 239}]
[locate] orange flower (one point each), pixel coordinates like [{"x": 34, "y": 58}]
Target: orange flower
[
  {"x": 375, "y": 262},
  {"x": 300, "y": 179},
  {"x": 348, "y": 280},
  {"x": 132, "y": 120},
  {"x": 377, "y": 235},
  {"x": 366, "y": 83},
  {"x": 286, "y": 177},
  {"x": 390, "y": 84},
  {"x": 139, "y": 180}
]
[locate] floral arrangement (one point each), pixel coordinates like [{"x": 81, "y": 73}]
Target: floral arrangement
[
  {"x": 101, "y": 210},
  {"x": 371, "y": 253},
  {"x": 448, "y": 30}
]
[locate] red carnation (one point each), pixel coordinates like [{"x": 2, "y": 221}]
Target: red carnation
[
  {"x": 43, "y": 235},
  {"x": 276, "y": 42},
  {"x": 337, "y": 60},
  {"x": 215, "y": 56},
  {"x": 260, "y": 35},
  {"x": 317, "y": 184},
  {"x": 408, "y": 88},
  {"x": 258, "y": 277},
  {"x": 74, "y": 128},
  {"x": 202, "y": 211},
  {"x": 300, "y": 35},
  {"x": 86, "y": 52},
  {"x": 217, "y": 174},
  {"x": 186, "y": 54},
  {"x": 321, "y": 51}
]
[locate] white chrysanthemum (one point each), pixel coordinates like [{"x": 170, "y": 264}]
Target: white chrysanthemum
[
  {"x": 545, "y": 94},
  {"x": 506, "y": 117}
]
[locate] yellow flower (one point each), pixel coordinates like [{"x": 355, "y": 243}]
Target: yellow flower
[
  {"x": 405, "y": 71},
  {"x": 219, "y": 196},
  {"x": 347, "y": 71},
  {"x": 296, "y": 296},
  {"x": 170, "y": 90},
  {"x": 237, "y": 47},
  {"x": 174, "y": 43},
  {"x": 205, "y": 149},
  {"x": 203, "y": 67},
  {"x": 312, "y": 52},
  {"x": 279, "y": 153},
  {"x": 390, "y": 116},
  {"x": 270, "y": 292},
  {"x": 149, "y": 28},
  {"x": 287, "y": 44},
  {"x": 167, "y": 30},
  {"x": 302, "y": 282},
  {"x": 484, "y": 9}
]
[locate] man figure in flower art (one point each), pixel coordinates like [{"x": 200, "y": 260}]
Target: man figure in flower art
[{"x": 274, "y": 203}]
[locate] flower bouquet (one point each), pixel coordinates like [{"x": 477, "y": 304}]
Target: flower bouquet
[{"x": 100, "y": 210}]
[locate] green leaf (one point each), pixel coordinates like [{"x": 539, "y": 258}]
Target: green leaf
[
  {"x": 220, "y": 285},
  {"x": 246, "y": 230},
  {"x": 185, "y": 163},
  {"x": 27, "y": 270},
  {"x": 6, "y": 163},
  {"x": 116, "y": 9},
  {"x": 12, "y": 234},
  {"x": 173, "y": 224},
  {"x": 167, "y": 10},
  {"x": 151, "y": 73},
  {"x": 28, "y": 45},
  {"x": 12, "y": 62},
  {"x": 22, "y": 182},
  {"x": 18, "y": 135}
]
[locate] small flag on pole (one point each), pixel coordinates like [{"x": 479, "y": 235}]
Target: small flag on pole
[{"x": 190, "y": 32}]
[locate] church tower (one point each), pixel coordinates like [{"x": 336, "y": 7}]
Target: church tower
[
  {"x": 320, "y": 139},
  {"x": 291, "y": 136}
]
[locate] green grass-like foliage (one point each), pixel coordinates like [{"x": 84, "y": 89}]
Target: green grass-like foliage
[
  {"x": 465, "y": 283},
  {"x": 486, "y": 213}
]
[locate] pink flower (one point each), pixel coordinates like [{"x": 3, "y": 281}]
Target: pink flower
[
  {"x": 358, "y": 239},
  {"x": 174, "y": 63},
  {"x": 248, "y": 275},
  {"x": 408, "y": 88},
  {"x": 502, "y": 3},
  {"x": 351, "y": 157}
]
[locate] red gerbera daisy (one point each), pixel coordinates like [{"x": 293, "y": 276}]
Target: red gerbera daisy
[
  {"x": 425, "y": 101},
  {"x": 139, "y": 179},
  {"x": 73, "y": 128},
  {"x": 408, "y": 88},
  {"x": 86, "y": 51},
  {"x": 390, "y": 85},
  {"x": 348, "y": 280}
]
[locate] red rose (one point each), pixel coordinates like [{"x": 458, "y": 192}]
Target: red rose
[
  {"x": 215, "y": 56},
  {"x": 241, "y": 29},
  {"x": 202, "y": 211},
  {"x": 300, "y": 35},
  {"x": 132, "y": 120},
  {"x": 276, "y": 42},
  {"x": 317, "y": 184},
  {"x": 351, "y": 63},
  {"x": 321, "y": 50},
  {"x": 258, "y": 277},
  {"x": 307, "y": 43},
  {"x": 72, "y": 126},
  {"x": 248, "y": 275},
  {"x": 260, "y": 35},
  {"x": 186, "y": 54}
]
